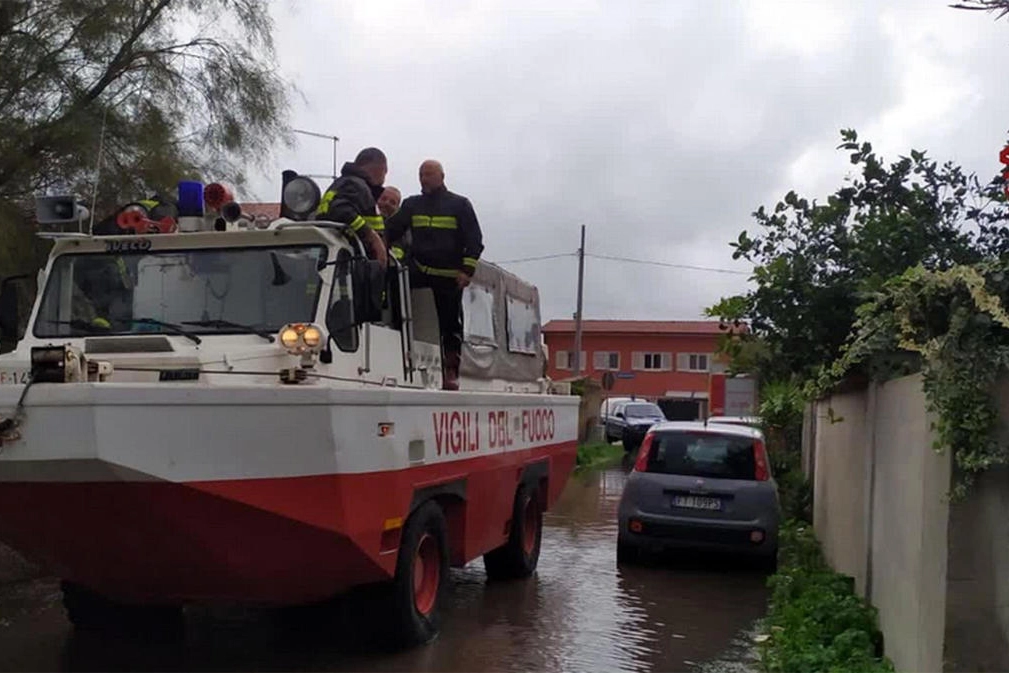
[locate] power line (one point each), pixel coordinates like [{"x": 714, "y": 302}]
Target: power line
[
  {"x": 670, "y": 265},
  {"x": 536, "y": 259}
]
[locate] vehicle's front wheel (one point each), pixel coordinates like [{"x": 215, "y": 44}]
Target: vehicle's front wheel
[
  {"x": 89, "y": 611},
  {"x": 519, "y": 556},
  {"x": 418, "y": 590}
]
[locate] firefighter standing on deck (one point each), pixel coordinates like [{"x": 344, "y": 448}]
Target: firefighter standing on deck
[
  {"x": 351, "y": 199},
  {"x": 444, "y": 251}
]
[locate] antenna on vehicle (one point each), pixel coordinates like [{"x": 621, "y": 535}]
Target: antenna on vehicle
[
  {"x": 98, "y": 170},
  {"x": 327, "y": 137}
]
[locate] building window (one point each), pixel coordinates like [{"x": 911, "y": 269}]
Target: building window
[
  {"x": 654, "y": 362},
  {"x": 565, "y": 360},
  {"x": 606, "y": 361},
  {"x": 693, "y": 362}
]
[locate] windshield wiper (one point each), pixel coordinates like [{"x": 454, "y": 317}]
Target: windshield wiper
[
  {"x": 258, "y": 331},
  {"x": 78, "y": 324},
  {"x": 171, "y": 327},
  {"x": 89, "y": 328}
]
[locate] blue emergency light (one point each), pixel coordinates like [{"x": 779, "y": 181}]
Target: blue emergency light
[{"x": 190, "y": 198}]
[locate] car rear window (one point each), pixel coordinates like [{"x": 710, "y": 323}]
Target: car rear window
[
  {"x": 642, "y": 411},
  {"x": 705, "y": 454}
]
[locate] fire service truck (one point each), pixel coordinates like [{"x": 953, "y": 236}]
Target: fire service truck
[{"x": 212, "y": 408}]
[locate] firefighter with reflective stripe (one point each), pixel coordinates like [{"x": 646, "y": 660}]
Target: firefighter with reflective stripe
[
  {"x": 351, "y": 199},
  {"x": 444, "y": 247}
]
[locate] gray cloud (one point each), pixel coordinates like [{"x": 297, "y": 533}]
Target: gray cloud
[{"x": 661, "y": 126}]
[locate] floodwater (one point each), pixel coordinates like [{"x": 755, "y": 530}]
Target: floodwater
[{"x": 579, "y": 612}]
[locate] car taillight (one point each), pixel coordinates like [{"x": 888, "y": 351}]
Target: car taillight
[
  {"x": 760, "y": 460},
  {"x": 641, "y": 464}
]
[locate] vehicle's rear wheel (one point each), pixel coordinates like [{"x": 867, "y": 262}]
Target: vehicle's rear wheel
[
  {"x": 89, "y": 611},
  {"x": 627, "y": 552},
  {"x": 769, "y": 563},
  {"x": 418, "y": 590},
  {"x": 519, "y": 555},
  {"x": 630, "y": 445}
]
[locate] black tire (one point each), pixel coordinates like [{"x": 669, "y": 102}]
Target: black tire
[
  {"x": 89, "y": 611},
  {"x": 627, "y": 552},
  {"x": 518, "y": 557},
  {"x": 416, "y": 613},
  {"x": 630, "y": 445},
  {"x": 769, "y": 563}
]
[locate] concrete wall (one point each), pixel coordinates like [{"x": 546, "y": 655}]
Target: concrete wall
[
  {"x": 881, "y": 514},
  {"x": 908, "y": 520},
  {"x": 977, "y": 602},
  {"x": 840, "y": 484}
]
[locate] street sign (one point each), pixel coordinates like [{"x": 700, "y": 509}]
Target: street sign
[
  {"x": 625, "y": 375},
  {"x": 608, "y": 381}
]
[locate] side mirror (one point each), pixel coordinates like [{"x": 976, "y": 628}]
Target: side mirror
[{"x": 14, "y": 291}]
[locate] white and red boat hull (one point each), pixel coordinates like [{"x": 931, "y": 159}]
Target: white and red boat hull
[{"x": 264, "y": 494}]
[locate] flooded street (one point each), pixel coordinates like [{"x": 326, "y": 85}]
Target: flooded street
[{"x": 578, "y": 613}]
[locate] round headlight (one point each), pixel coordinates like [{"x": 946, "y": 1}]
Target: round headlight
[
  {"x": 301, "y": 196},
  {"x": 312, "y": 337},
  {"x": 289, "y": 337}
]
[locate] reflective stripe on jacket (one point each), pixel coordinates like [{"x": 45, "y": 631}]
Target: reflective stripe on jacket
[{"x": 446, "y": 236}]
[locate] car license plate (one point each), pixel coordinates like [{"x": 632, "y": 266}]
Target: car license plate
[{"x": 697, "y": 502}]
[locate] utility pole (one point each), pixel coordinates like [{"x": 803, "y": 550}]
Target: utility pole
[{"x": 578, "y": 313}]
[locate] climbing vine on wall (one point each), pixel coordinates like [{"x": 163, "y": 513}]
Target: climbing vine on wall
[{"x": 953, "y": 326}]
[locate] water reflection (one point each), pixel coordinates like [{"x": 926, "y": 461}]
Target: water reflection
[{"x": 580, "y": 612}]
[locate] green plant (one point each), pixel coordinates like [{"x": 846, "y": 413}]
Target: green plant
[
  {"x": 598, "y": 454},
  {"x": 815, "y": 262},
  {"x": 815, "y": 622},
  {"x": 953, "y": 326}
]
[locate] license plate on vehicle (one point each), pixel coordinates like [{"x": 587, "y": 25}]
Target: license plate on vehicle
[{"x": 697, "y": 502}]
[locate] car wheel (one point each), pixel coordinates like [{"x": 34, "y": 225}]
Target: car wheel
[
  {"x": 627, "y": 552},
  {"x": 769, "y": 563},
  {"x": 418, "y": 590},
  {"x": 519, "y": 555}
]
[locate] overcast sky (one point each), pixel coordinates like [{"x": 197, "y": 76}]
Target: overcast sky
[{"x": 659, "y": 125}]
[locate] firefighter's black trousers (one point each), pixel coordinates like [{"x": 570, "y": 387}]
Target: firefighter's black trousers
[{"x": 448, "y": 303}]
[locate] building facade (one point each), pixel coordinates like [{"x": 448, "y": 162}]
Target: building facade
[{"x": 665, "y": 361}]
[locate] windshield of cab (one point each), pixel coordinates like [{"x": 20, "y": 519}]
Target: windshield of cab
[
  {"x": 642, "y": 411},
  {"x": 204, "y": 291}
]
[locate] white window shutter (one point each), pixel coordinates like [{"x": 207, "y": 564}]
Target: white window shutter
[
  {"x": 599, "y": 360},
  {"x": 562, "y": 359},
  {"x": 637, "y": 361},
  {"x": 667, "y": 362},
  {"x": 682, "y": 361}
]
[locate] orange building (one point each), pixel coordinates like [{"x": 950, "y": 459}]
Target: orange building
[{"x": 671, "y": 361}]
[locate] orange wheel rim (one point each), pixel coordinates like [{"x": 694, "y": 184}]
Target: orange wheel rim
[{"x": 426, "y": 575}]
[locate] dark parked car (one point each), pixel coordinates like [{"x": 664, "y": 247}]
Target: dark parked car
[
  {"x": 706, "y": 487},
  {"x": 631, "y": 421}
]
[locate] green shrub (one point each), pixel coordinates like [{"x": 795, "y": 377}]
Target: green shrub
[
  {"x": 815, "y": 622},
  {"x": 598, "y": 454}
]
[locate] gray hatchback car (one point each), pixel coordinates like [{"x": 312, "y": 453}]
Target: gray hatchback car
[{"x": 700, "y": 486}]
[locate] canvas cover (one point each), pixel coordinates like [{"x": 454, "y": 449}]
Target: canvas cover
[{"x": 501, "y": 327}]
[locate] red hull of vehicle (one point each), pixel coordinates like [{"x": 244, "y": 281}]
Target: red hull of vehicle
[{"x": 266, "y": 541}]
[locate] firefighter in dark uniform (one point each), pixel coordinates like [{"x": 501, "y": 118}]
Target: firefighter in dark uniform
[
  {"x": 445, "y": 246},
  {"x": 351, "y": 199}
]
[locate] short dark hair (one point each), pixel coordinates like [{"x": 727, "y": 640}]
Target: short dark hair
[{"x": 369, "y": 156}]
